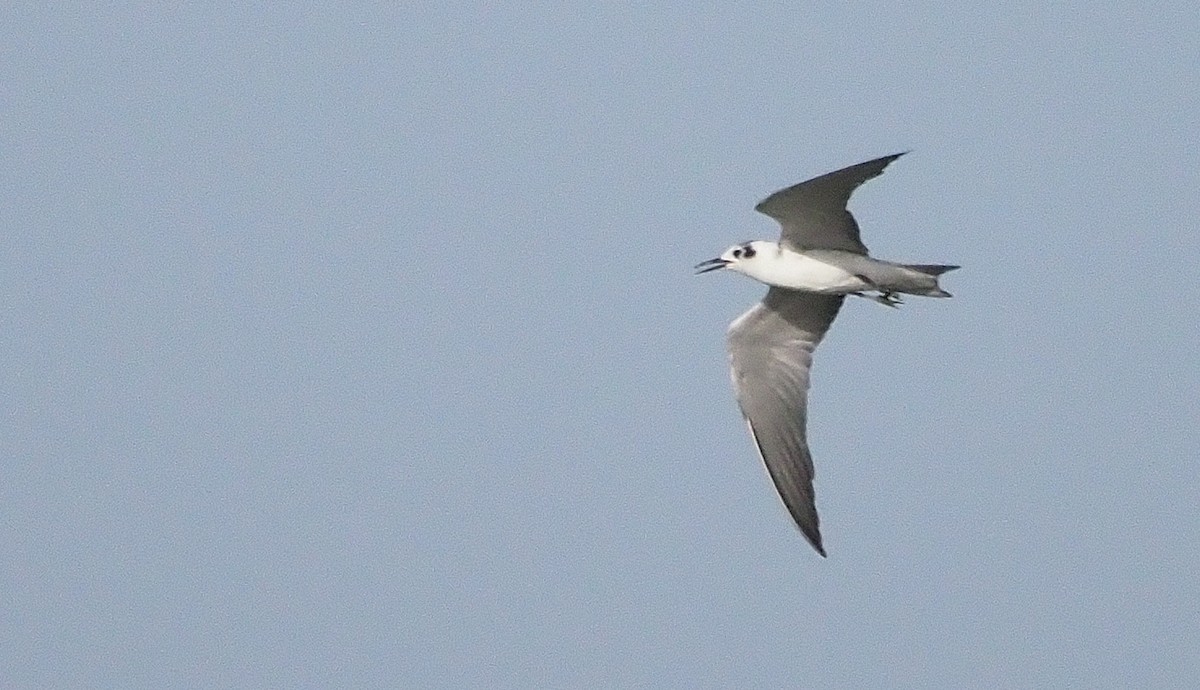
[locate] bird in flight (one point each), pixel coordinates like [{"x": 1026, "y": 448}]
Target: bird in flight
[{"x": 818, "y": 261}]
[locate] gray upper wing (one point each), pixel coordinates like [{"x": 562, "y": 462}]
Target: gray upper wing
[
  {"x": 813, "y": 213},
  {"x": 770, "y": 353}
]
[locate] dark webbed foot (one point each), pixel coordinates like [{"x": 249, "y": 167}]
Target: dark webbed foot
[
  {"x": 885, "y": 297},
  {"x": 888, "y": 299}
]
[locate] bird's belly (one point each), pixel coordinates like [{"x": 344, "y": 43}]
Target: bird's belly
[{"x": 800, "y": 272}]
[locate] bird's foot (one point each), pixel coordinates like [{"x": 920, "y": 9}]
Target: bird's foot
[{"x": 887, "y": 299}]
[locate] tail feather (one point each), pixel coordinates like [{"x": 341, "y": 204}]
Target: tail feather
[{"x": 931, "y": 269}]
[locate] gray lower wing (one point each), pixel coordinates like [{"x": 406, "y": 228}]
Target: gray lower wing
[
  {"x": 770, "y": 353},
  {"x": 813, "y": 213}
]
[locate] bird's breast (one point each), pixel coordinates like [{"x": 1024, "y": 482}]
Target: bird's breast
[{"x": 799, "y": 271}]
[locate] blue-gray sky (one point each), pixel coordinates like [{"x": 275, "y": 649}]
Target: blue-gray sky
[{"x": 350, "y": 345}]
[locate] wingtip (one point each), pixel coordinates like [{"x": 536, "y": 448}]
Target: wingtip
[{"x": 815, "y": 540}]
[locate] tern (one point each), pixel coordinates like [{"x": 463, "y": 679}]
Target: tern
[{"x": 818, "y": 261}]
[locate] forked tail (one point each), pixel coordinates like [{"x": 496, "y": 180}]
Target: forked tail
[{"x": 933, "y": 270}]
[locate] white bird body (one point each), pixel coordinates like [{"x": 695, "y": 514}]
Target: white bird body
[{"x": 781, "y": 267}]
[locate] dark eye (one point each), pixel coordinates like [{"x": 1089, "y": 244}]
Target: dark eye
[
  {"x": 747, "y": 252},
  {"x": 737, "y": 253}
]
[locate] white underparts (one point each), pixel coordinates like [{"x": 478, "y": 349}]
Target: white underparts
[{"x": 788, "y": 269}]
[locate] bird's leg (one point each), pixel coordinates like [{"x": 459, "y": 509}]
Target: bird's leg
[
  {"x": 888, "y": 299},
  {"x": 885, "y": 297}
]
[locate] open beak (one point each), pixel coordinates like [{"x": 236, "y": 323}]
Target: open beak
[{"x": 710, "y": 265}]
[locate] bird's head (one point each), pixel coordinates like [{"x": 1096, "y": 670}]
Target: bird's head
[{"x": 739, "y": 257}]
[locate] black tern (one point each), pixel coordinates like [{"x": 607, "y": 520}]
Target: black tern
[{"x": 818, "y": 260}]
